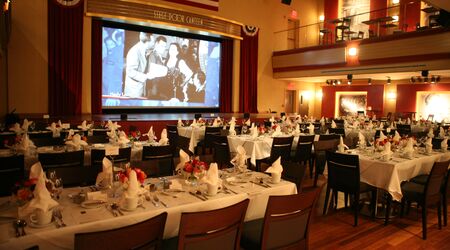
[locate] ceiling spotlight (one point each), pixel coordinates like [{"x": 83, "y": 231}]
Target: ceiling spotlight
[
  {"x": 328, "y": 82},
  {"x": 349, "y": 82},
  {"x": 438, "y": 78},
  {"x": 412, "y": 80},
  {"x": 334, "y": 83},
  {"x": 425, "y": 79},
  {"x": 433, "y": 79},
  {"x": 419, "y": 79},
  {"x": 339, "y": 82},
  {"x": 424, "y": 73},
  {"x": 369, "y": 81},
  {"x": 389, "y": 80}
]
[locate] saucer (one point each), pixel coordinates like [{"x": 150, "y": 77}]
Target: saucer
[
  {"x": 89, "y": 204},
  {"x": 34, "y": 225},
  {"x": 127, "y": 209}
]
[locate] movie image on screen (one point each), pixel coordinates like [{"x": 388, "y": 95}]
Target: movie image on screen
[{"x": 149, "y": 70}]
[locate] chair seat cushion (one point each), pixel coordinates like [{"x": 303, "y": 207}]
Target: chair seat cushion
[
  {"x": 420, "y": 179},
  {"x": 251, "y": 234},
  {"x": 412, "y": 191}
]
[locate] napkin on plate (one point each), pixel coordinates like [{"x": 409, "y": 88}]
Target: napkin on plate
[
  {"x": 16, "y": 128},
  {"x": 184, "y": 157},
  {"x": 374, "y": 117},
  {"x": 387, "y": 149},
  {"x": 441, "y": 132},
  {"x": 42, "y": 199},
  {"x": 215, "y": 123},
  {"x": 248, "y": 122},
  {"x": 322, "y": 121},
  {"x": 104, "y": 178},
  {"x": 113, "y": 126},
  {"x": 123, "y": 138},
  {"x": 55, "y": 130},
  {"x": 429, "y": 144},
  {"x": 36, "y": 171},
  {"x": 254, "y": 131},
  {"x": 272, "y": 120},
  {"x": 276, "y": 167},
  {"x": 362, "y": 139},
  {"x": 232, "y": 127},
  {"x": 164, "y": 140},
  {"x": 409, "y": 148},
  {"x": 444, "y": 144},
  {"x": 297, "y": 130},
  {"x": 151, "y": 135},
  {"x": 212, "y": 175},
  {"x": 240, "y": 160},
  {"x": 25, "y": 144},
  {"x": 430, "y": 133},
  {"x": 396, "y": 137},
  {"x": 277, "y": 132},
  {"x": 26, "y": 124},
  {"x": 382, "y": 136},
  {"x": 311, "y": 129},
  {"x": 133, "y": 188},
  {"x": 180, "y": 123},
  {"x": 84, "y": 126},
  {"x": 333, "y": 124},
  {"x": 76, "y": 142},
  {"x": 194, "y": 123}
]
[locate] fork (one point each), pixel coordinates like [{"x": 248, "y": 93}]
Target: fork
[
  {"x": 158, "y": 200},
  {"x": 58, "y": 215}
]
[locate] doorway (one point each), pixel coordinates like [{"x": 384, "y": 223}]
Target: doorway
[{"x": 290, "y": 101}]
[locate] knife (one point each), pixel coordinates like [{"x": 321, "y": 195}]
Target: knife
[
  {"x": 92, "y": 203},
  {"x": 260, "y": 184},
  {"x": 199, "y": 197},
  {"x": 164, "y": 204}
]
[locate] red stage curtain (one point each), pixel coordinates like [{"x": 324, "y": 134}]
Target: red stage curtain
[
  {"x": 226, "y": 76},
  {"x": 248, "y": 76},
  {"x": 65, "y": 37},
  {"x": 96, "y": 67}
]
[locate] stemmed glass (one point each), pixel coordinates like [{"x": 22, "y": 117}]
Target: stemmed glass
[
  {"x": 244, "y": 129},
  {"x": 57, "y": 184}
]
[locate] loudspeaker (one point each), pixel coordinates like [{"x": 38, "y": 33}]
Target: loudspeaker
[
  {"x": 287, "y": 2},
  {"x": 123, "y": 117}
]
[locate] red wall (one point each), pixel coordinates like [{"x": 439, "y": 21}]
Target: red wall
[
  {"x": 377, "y": 5},
  {"x": 409, "y": 14},
  {"x": 407, "y": 93},
  {"x": 375, "y": 94},
  {"x": 331, "y": 8}
]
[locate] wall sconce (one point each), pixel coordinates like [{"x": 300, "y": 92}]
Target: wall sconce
[
  {"x": 307, "y": 95},
  {"x": 369, "y": 81},
  {"x": 352, "y": 51},
  {"x": 349, "y": 79},
  {"x": 319, "y": 94},
  {"x": 391, "y": 95},
  {"x": 321, "y": 18},
  {"x": 395, "y": 1},
  {"x": 395, "y": 18}
]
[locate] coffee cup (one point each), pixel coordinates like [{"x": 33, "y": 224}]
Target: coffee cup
[
  {"x": 276, "y": 177},
  {"x": 386, "y": 157},
  {"x": 212, "y": 189},
  {"x": 41, "y": 217},
  {"x": 131, "y": 203}
]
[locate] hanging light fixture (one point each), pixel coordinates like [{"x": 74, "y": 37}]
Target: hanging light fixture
[{"x": 388, "y": 80}]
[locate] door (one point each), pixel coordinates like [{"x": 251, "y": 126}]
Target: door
[{"x": 289, "y": 101}]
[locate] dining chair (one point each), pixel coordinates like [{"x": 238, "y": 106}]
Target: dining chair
[
  {"x": 198, "y": 232},
  {"x": 7, "y": 139},
  {"x": 285, "y": 224},
  {"x": 303, "y": 153},
  {"x": 337, "y": 131},
  {"x": 183, "y": 143},
  {"x": 102, "y": 132},
  {"x": 404, "y": 129},
  {"x": 221, "y": 151},
  {"x": 344, "y": 176},
  {"x": 147, "y": 234},
  {"x": 162, "y": 156},
  {"x": 281, "y": 147},
  {"x": 445, "y": 190},
  {"x": 328, "y": 137},
  {"x": 207, "y": 143},
  {"x": 48, "y": 141},
  {"x": 11, "y": 171},
  {"x": 97, "y": 156},
  {"x": 172, "y": 134},
  {"x": 436, "y": 142},
  {"x": 40, "y": 134},
  {"x": 97, "y": 139},
  {"x": 294, "y": 172},
  {"x": 425, "y": 195},
  {"x": 320, "y": 147},
  {"x": 69, "y": 166}
]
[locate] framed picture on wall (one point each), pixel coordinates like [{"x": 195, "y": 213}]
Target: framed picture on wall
[
  {"x": 350, "y": 103},
  {"x": 434, "y": 103}
]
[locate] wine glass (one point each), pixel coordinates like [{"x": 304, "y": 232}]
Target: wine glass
[
  {"x": 32, "y": 126},
  {"x": 244, "y": 129},
  {"x": 138, "y": 135}
]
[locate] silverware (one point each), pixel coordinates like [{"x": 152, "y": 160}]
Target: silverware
[
  {"x": 92, "y": 203},
  {"x": 199, "y": 197},
  {"x": 16, "y": 225},
  {"x": 167, "y": 194},
  {"x": 200, "y": 193},
  {"x": 108, "y": 207},
  {"x": 22, "y": 224},
  {"x": 260, "y": 184},
  {"x": 158, "y": 200},
  {"x": 228, "y": 189},
  {"x": 58, "y": 215},
  {"x": 115, "y": 207}
]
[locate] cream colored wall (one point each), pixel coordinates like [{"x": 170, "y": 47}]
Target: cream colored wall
[
  {"x": 3, "y": 88},
  {"x": 310, "y": 92},
  {"x": 390, "y": 103},
  {"x": 28, "y": 76},
  {"x": 28, "y": 70}
]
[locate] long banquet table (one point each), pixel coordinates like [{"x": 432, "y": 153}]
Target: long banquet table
[{"x": 79, "y": 219}]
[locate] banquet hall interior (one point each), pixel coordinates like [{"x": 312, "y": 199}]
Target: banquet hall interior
[{"x": 245, "y": 124}]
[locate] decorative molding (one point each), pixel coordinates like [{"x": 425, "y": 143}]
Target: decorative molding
[
  {"x": 68, "y": 3},
  {"x": 143, "y": 11},
  {"x": 250, "y": 30}
]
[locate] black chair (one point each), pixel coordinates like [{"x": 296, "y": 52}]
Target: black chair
[
  {"x": 221, "y": 151},
  {"x": 102, "y": 132},
  {"x": 11, "y": 171},
  {"x": 344, "y": 176},
  {"x": 294, "y": 172},
  {"x": 436, "y": 142},
  {"x": 281, "y": 147},
  {"x": 404, "y": 129},
  {"x": 183, "y": 143},
  {"x": 337, "y": 131},
  {"x": 303, "y": 153},
  {"x": 48, "y": 141},
  {"x": 69, "y": 166},
  {"x": 285, "y": 224},
  {"x": 40, "y": 134},
  {"x": 147, "y": 234},
  {"x": 222, "y": 229},
  {"x": 162, "y": 156},
  {"x": 97, "y": 156},
  {"x": 7, "y": 139},
  {"x": 329, "y": 137},
  {"x": 425, "y": 195},
  {"x": 422, "y": 179},
  {"x": 207, "y": 142},
  {"x": 172, "y": 134},
  {"x": 97, "y": 139},
  {"x": 320, "y": 159}
]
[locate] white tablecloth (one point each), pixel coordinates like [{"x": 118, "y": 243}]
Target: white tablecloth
[
  {"x": 79, "y": 219},
  {"x": 196, "y": 134},
  {"x": 389, "y": 175}
]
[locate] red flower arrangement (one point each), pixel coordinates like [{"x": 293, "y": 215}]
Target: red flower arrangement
[
  {"x": 23, "y": 190},
  {"x": 124, "y": 175},
  {"x": 134, "y": 135},
  {"x": 195, "y": 166}
]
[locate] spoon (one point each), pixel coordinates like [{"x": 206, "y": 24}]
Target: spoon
[
  {"x": 115, "y": 207},
  {"x": 22, "y": 224}
]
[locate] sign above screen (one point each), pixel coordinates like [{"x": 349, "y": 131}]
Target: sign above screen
[{"x": 142, "y": 69}]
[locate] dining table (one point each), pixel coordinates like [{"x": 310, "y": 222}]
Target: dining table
[{"x": 187, "y": 197}]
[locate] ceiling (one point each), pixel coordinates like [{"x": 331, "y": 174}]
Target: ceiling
[
  {"x": 441, "y": 4},
  {"x": 377, "y": 76}
]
